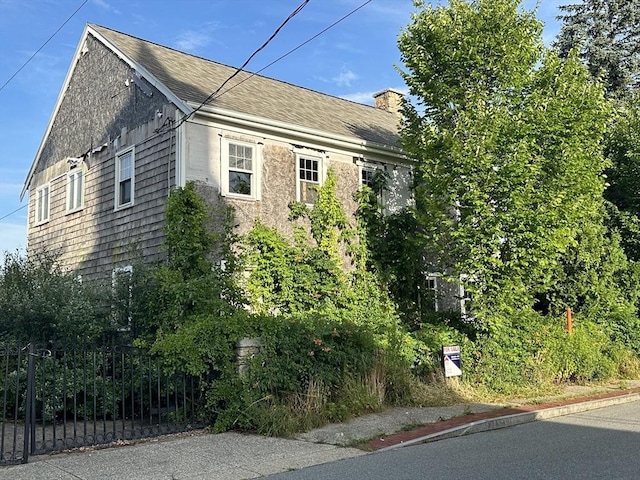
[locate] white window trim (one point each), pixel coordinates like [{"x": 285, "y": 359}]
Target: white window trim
[
  {"x": 363, "y": 165},
  {"x": 365, "y": 168},
  {"x": 116, "y": 196},
  {"x": 256, "y": 164},
  {"x": 72, "y": 195},
  {"x": 40, "y": 220},
  {"x": 321, "y": 172},
  {"x": 434, "y": 277},
  {"x": 114, "y": 277}
]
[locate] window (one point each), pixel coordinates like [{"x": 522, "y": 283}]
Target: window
[
  {"x": 42, "y": 204},
  {"x": 431, "y": 293},
  {"x": 125, "y": 178},
  {"x": 375, "y": 177},
  {"x": 309, "y": 175},
  {"x": 239, "y": 176},
  {"x": 122, "y": 291},
  {"x": 366, "y": 176},
  {"x": 75, "y": 190}
]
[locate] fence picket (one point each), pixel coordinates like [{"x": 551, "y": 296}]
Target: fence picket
[{"x": 52, "y": 398}]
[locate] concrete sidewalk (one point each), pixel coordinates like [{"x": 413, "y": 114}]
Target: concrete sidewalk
[
  {"x": 226, "y": 456},
  {"x": 234, "y": 456}
]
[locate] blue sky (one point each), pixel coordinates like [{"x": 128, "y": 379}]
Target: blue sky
[{"x": 352, "y": 60}]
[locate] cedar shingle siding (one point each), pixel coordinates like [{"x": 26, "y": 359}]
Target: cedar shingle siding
[
  {"x": 99, "y": 108},
  {"x": 103, "y": 110}
]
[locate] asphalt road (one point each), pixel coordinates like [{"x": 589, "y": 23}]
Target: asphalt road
[{"x": 598, "y": 444}]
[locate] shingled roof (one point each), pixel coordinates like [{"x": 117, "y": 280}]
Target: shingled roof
[{"x": 192, "y": 79}]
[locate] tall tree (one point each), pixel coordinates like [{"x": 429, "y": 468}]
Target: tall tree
[
  {"x": 623, "y": 149},
  {"x": 507, "y": 141},
  {"x": 606, "y": 34}
]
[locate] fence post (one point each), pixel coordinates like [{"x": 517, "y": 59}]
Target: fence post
[{"x": 29, "y": 413}]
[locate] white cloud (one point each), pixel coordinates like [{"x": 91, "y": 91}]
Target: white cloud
[
  {"x": 193, "y": 40},
  {"x": 106, "y": 6},
  {"x": 344, "y": 78},
  {"x": 360, "y": 97}
]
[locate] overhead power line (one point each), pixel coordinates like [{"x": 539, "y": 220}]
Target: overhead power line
[
  {"x": 11, "y": 213},
  {"x": 239, "y": 69},
  {"x": 43, "y": 45},
  {"x": 217, "y": 93},
  {"x": 253, "y": 74}
]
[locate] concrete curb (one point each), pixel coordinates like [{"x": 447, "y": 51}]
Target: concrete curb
[{"x": 516, "y": 419}]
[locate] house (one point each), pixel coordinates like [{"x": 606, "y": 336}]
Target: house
[{"x": 135, "y": 119}]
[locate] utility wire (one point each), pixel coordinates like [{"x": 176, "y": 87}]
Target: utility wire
[
  {"x": 11, "y": 213},
  {"x": 239, "y": 69},
  {"x": 43, "y": 45},
  {"x": 253, "y": 74},
  {"x": 217, "y": 94}
]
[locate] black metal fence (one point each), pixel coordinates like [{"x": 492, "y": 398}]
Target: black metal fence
[{"x": 58, "y": 397}]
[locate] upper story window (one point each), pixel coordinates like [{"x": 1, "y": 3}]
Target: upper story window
[
  {"x": 125, "y": 178},
  {"x": 240, "y": 169},
  {"x": 366, "y": 176},
  {"x": 309, "y": 178},
  {"x": 43, "y": 204},
  {"x": 375, "y": 177},
  {"x": 75, "y": 190}
]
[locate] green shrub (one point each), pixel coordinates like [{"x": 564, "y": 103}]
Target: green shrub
[
  {"x": 534, "y": 351},
  {"x": 40, "y": 300},
  {"x": 299, "y": 354}
]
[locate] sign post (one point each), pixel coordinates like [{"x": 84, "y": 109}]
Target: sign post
[{"x": 451, "y": 361}]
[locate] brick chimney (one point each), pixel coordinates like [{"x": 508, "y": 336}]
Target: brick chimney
[{"x": 389, "y": 99}]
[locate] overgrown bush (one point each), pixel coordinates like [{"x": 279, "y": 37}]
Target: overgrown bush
[
  {"x": 307, "y": 363},
  {"x": 332, "y": 342},
  {"x": 533, "y": 352},
  {"x": 39, "y": 299}
]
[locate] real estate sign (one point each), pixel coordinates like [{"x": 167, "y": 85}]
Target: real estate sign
[{"x": 451, "y": 361}]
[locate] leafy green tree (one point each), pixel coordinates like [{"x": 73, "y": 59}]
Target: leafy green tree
[
  {"x": 199, "y": 274},
  {"x": 623, "y": 149},
  {"x": 40, "y": 300},
  {"x": 393, "y": 251},
  {"x": 606, "y": 33},
  {"x": 607, "y": 36},
  {"x": 507, "y": 139}
]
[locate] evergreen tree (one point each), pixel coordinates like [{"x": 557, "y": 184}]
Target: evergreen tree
[{"x": 606, "y": 34}]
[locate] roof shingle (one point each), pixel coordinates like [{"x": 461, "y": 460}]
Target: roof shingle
[{"x": 192, "y": 78}]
